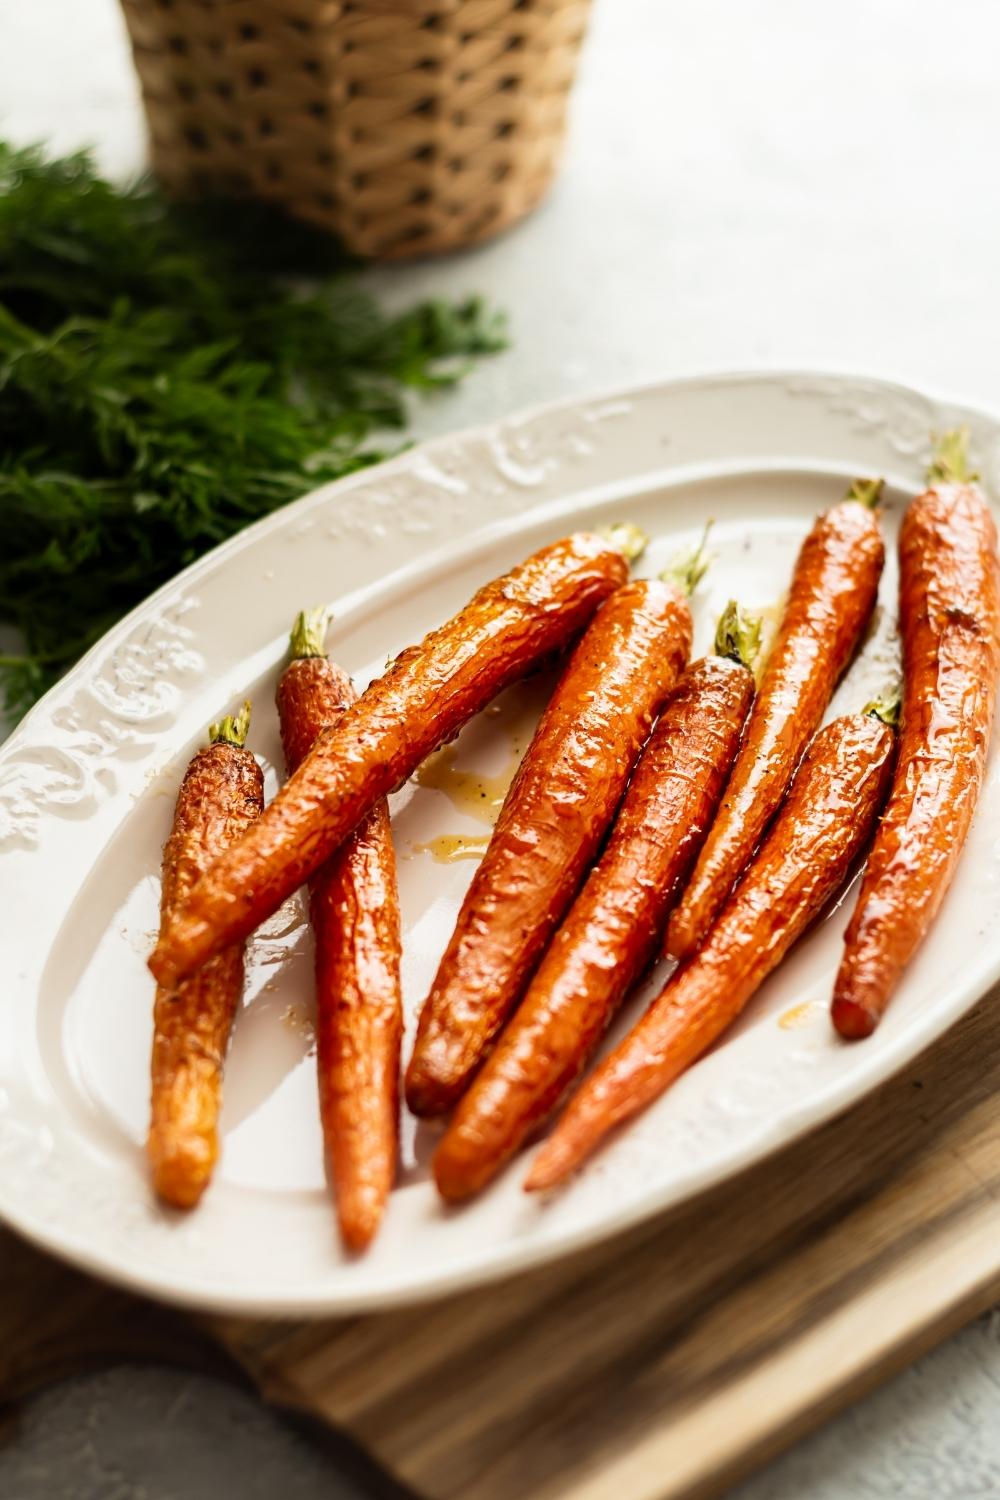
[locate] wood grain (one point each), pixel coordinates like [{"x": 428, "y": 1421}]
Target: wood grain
[{"x": 662, "y": 1366}]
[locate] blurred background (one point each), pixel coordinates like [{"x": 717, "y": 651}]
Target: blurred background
[{"x": 742, "y": 186}]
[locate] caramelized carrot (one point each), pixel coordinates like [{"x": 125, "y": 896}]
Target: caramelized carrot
[
  {"x": 423, "y": 699},
  {"x": 823, "y": 825},
  {"x": 949, "y": 616},
  {"x": 221, "y": 794},
  {"x": 354, "y": 910},
  {"x": 550, "y": 826},
  {"x": 829, "y": 604},
  {"x": 613, "y": 928}
]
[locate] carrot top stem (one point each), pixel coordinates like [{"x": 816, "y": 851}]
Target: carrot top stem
[
  {"x": 309, "y": 633},
  {"x": 950, "y": 464},
  {"x": 627, "y": 538},
  {"x": 233, "y": 729},
  {"x": 690, "y": 565},
  {"x": 867, "y": 492},
  {"x": 737, "y": 635},
  {"x": 887, "y": 709}
]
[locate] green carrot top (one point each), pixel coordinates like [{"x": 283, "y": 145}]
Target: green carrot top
[
  {"x": 867, "y": 492},
  {"x": 309, "y": 633},
  {"x": 233, "y": 729},
  {"x": 689, "y": 566},
  {"x": 887, "y": 709},
  {"x": 737, "y": 635},
  {"x": 630, "y": 540},
  {"x": 950, "y": 463}
]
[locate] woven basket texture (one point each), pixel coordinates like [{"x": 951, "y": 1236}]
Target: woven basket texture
[{"x": 405, "y": 127}]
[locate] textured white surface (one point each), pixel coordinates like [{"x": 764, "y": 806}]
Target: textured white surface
[{"x": 777, "y": 183}]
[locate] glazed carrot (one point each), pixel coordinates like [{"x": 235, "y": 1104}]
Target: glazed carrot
[
  {"x": 611, "y": 932},
  {"x": 221, "y": 794},
  {"x": 354, "y": 910},
  {"x": 823, "y": 825},
  {"x": 426, "y": 695},
  {"x": 949, "y": 616},
  {"x": 549, "y": 829},
  {"x": 831, "y": 599}
]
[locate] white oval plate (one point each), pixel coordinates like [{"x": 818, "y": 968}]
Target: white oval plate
[{"x": 87, "y": 786}]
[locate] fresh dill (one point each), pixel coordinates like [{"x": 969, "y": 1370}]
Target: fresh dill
[{"x": 168, "y": 374}]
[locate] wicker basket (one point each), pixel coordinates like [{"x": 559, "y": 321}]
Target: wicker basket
[{"x": 404, "y": 126}]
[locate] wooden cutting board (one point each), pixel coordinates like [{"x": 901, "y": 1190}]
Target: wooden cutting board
[{"x": 663, "y": 1365}]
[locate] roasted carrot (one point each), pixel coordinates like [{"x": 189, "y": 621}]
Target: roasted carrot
[
  {"x": 612, "y": 930},
  {"x": 823, "y": 825},
  {"x": 550, "y": 826},
  {"x": 221, "y": 794},
  {"x": 354, "y": 910},
  {"x": 830, "y": 601},
  {"x": 425, "y": 696},
  {"x": 949, "y": 616}
]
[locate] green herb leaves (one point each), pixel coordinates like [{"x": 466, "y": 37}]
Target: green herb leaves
[{"x": 164, "y": 381}]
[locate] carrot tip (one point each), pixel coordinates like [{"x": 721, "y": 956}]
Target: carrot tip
[
  {"x": 358, "y": 1233},
  {"x": 424, "y": 1095},
  {"x": 451, "y": 1183},
  {"x": 549, "y": 1169},
  {"x": 679, "y": 941},
  {"x": 360, "y": 1208},
  {"x": 852, "y": 1021},
  {"x": 181, "y": 1171},
  {"x": 164, "y": 970}
]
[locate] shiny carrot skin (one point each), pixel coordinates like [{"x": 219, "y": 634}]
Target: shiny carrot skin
[
  {"x": 551, "y": 824},
  {"x": 822, "y": 827},
  {"x": 612, "y": 930},
  {"x": 221, "y": 795},
  {"x": 830, "y": 602},
  {"x": 354, "y": 910},
  {"x": 949, "y": 611},
  {"x": 422, "y": 700}
]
